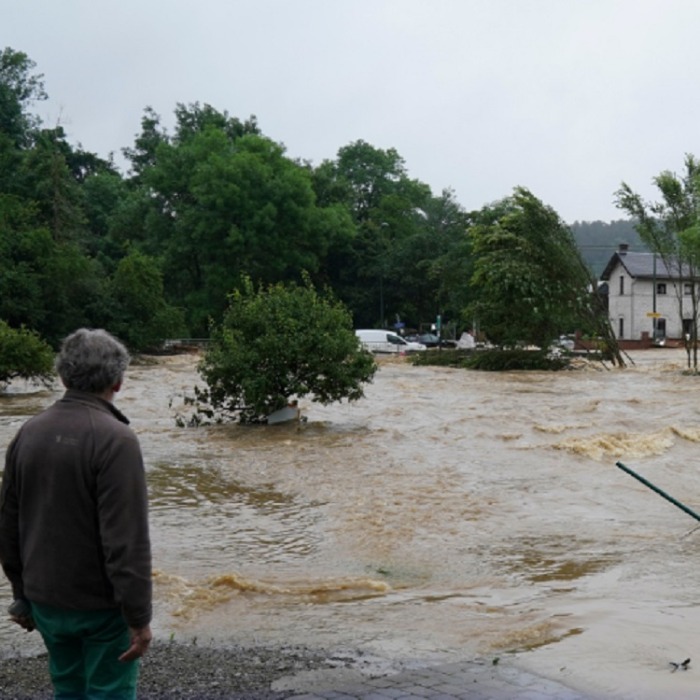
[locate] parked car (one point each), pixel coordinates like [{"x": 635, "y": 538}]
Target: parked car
[
  {"x": 430, "y": 340},
  {"x": 565, "y": 342},
  {"x": 381, "y": 341},
  {"x": 562, "y": 344}
]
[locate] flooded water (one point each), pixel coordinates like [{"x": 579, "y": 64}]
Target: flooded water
[{"x": 450, "y": 514}]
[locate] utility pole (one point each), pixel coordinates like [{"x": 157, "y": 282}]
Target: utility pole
[{"x": 653, "y": 308}]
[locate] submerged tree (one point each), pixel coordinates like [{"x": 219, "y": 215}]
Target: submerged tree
[
  {"x": 530, "y": 283},
  {"x": 282, "y": 342},
  {"x": 24, "y": 355}
]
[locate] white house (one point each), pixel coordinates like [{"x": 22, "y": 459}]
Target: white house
[{"x": 643, "y": 297}]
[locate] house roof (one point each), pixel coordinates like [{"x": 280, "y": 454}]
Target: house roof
[{"x": 642, "y": 265}]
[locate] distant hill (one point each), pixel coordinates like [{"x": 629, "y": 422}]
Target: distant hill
[{"x": 598, "y": 240}]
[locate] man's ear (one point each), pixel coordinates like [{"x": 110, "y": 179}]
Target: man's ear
[{"x": 117, "y": 386}]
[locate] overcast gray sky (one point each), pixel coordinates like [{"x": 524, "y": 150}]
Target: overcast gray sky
[{"x": 565, "y": 97}]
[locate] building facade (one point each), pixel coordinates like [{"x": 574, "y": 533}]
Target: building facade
[{"x": 647, "y": 302}]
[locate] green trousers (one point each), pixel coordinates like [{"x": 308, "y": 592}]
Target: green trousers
[{"x": 84, "y": 647}]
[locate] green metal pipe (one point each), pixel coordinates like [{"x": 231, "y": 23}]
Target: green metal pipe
[{"x": 676, "y": 503}]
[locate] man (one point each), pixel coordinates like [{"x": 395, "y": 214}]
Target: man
[{"x": 74, "y": 539}]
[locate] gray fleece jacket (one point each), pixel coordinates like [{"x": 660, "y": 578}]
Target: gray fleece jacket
[{"x": 74, "y": 511}]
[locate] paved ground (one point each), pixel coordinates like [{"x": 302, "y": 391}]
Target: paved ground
[{"x": 465, "y": 681}]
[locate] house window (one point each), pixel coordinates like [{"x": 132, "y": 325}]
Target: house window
[
  {"x": 622, "y": 285},
  {"x": 621, "y": 327},
  {"x": 688, "y": 288},
  {"x": 661, "y": 288}
]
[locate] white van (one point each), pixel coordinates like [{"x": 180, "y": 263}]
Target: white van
[{"x": 379, "y": 341}]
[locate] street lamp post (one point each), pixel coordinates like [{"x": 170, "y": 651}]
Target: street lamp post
[
  {"x": 381, "y": 297},
  {"x": 382, "y": 262}
]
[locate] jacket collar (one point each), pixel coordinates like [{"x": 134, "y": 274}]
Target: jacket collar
[{"x": 89, "y": 399}]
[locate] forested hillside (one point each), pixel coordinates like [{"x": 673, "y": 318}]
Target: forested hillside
[{"x": 598, "y": 240}]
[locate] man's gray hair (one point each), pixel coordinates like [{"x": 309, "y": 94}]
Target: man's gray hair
[{"x": 91, "y": 360}]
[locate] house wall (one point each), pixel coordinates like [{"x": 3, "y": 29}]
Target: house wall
[{"x": 636, "y": 301}]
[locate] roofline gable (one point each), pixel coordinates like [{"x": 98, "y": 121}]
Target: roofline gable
[{"x": 644, "y": 266}]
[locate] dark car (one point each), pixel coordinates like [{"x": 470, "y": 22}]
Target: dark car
[{"x": 430, "y": 340}]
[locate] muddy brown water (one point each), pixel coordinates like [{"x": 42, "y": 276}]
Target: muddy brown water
[{"x": 449, "y": 514}]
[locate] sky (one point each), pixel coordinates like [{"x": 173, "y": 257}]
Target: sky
[{"x": 568, "y": 98}]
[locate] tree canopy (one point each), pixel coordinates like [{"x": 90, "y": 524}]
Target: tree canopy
[
  {"x": 24, "y": 355},
  {"x": 154, "y": 253},
  {"x": 19, "y": 89},
  {"x": 58, "y": 208},
  {"x": 283, "y": 342},
  {"x": 225, "y": 201},
  {"x": 386, "y": 271},
  {"x": 530, "y": 283}
]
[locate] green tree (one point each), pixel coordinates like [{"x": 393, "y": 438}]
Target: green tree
[
  {"x": 142, "y": 317},
  {"x": 47, "y": 285},
  {"x": 530, "y": 282},
  {"x": 75, "y": 292},
  {"x": 105, "y": 196},
  {"x": 669, "y": 228},
  {"x": 224, "y": 202},
  {"x": 24, "y": 250},
  {"x": 19, "y": 88},
  {"x": 194, "y": 118},
  {"x": 279, "y": 342},
  {"x": 435, "y": 261},
  {"x": 47, "y": 179},
  {"x": 55, "y": 217},
  {"x": 24, "y": 355},
  {"x": 143, "y": 153},
  {"x": 389, "y": 211}
]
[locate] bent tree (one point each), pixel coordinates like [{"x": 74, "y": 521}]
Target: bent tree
[
  {"x": 670, "y": 228},
  {"x": 530, "y": 283}
]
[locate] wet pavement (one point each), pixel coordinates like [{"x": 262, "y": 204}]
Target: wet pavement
[{"x": 468, "y": 680}]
